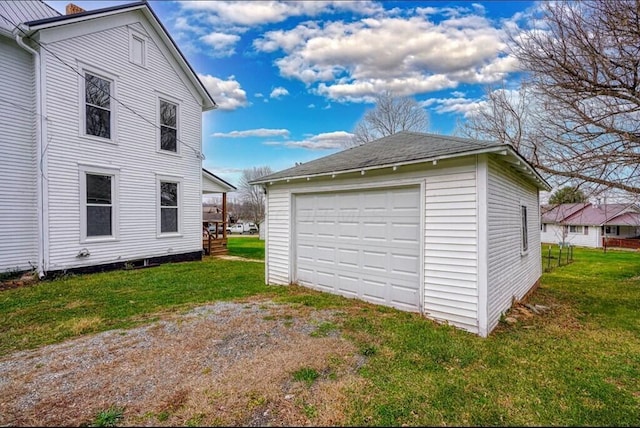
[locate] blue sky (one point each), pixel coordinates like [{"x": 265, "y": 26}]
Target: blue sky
[{"x": 292, "y": 79}]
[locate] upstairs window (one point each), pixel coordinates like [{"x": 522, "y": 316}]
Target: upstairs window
[
  {"x": 168, "y": 126},
  {"x": 97, "y": 98}
]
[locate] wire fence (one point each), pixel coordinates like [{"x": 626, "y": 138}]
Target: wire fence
[{"x": 556, "y": 255}]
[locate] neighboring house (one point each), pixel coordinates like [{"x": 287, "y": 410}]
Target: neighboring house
[
  {"x": 445, "y": 226},
  {"x": 100, "y": 140},
  {"x": 585, "y": 224}
]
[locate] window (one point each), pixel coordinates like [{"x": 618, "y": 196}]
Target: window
[
  {"x": 543, "y": 227},
  {"x": 137, "y": 48},
  {"x": 98, "y": 191},
  {"x": 97, "y": 99},
  {"x": 169, "y": 207},
  {"x": 525, "y": 233},
  {"x": 168, "y": 126},
  {"x": 575, "y": 229},
  {"x": 612, "y": 230}
]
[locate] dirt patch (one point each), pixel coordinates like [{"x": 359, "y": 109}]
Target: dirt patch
[
  {"x": 223, "y": 364},
  {"x": 228, "y": 257}
]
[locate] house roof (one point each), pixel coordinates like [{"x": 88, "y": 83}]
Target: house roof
[
  {"x": 211, "y": 183},
  {"x": 559, "y": 212},
  {"x": 598, "y": 215},
  {"x": 143, "y": 6},
  {"x": 399, "y": 149},
  {"x": 16, "y": 13}
]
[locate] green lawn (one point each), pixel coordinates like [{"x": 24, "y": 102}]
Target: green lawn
[
  {"x": 578, "y": 364},
  {"x": 250, "y": 247}
]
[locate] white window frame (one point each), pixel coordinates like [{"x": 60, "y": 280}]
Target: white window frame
[
  {"x": 162, "y": 97},
  {"x": 133, "y": 34},
  {"x": 577, "y": 229},
  {"x": 115, "y": 201},
  {"x": 163, "y": 178},
  {"x": 83, "y": 69},
  {"x": 524, "y": 229}
]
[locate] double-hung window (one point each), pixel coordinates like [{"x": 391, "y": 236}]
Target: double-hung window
[
  {"x": 98, "y": 106},
  {"x": 98, "y": 201},
  {"x": 168, "y": 125},
  {"x": 169, "y": 206}
]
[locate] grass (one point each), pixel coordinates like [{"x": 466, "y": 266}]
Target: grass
[
  {"x": 108, "y": 418},
  {"x": 249, "y": 247},
  {"x": 576, "y": 365}
]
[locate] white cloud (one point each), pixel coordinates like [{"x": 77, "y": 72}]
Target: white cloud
[
  {"x": 311, "y": 105},
  {"x": 279, "y": 92},
  {"x": 464, "y": 106},
  {"x": 325, "y": 141},
  {"x": 252, "y": 13},
  {"x": 260, "y": 132},
  {"x": 222, "y": 44},
  {"x": 226, "y": 93},
  {"x": 410, "y": 55},
  {"x": 259, "y": 95}
]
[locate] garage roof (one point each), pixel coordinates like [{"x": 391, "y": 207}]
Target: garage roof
[{"x": 400, "y": 149}]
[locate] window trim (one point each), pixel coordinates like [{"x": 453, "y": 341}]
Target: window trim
[
  {"x": 83, "y": 69},
  {"x": 133, "y": 34},
  {"x": 163, "y": 178},
  {"x": 524, "y": 229},
  {"x": 83, "y": 170},
  {"x": 178, "y": 103},
  {"x": 578, "y": 229}
]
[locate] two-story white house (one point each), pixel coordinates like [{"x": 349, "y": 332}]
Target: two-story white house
[{"x": 100, "y": 140}]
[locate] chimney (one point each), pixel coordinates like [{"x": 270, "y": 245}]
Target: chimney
[{"x": 72, "y": 9}]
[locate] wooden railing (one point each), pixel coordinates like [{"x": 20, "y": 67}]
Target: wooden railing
[{"x": 621, "y": 243}]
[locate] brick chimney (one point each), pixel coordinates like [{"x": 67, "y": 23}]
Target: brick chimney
[{"x": 72, "y": 8}]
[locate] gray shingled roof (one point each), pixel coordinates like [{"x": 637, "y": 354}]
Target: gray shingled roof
[{"x": 403, "y": 147}]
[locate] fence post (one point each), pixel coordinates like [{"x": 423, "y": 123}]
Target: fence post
[
  {"x": 560, "y": 256},
  {"x": 549, "y": 259},
  {"x": 568, "y": 251}
]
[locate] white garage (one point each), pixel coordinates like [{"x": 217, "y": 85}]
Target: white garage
[
  {"x": 361, "y": 244},
  {"x": 444, "y": 226}
]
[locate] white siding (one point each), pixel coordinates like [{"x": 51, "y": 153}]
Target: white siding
[
  {"x": 552, "y": 235},
  {"x": 135, "y": 154},
  {"x": 451, "y": 247},
  {"x": 511, "y": 274},
  {"x": 18, "y": 213},
  {"x": 278, "y": 233},
  {"x": 580, "y": 239}
]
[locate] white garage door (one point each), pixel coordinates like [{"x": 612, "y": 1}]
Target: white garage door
[{"x": 363, "y": 244}]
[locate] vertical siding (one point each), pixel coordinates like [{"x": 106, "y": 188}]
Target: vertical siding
[
  {"x": 451, "y": 247},
  {"x": 135, "y": 154},
  {"x": 510, "y": 273},
  {"x": 279, "y": 236},
  {"x": 18, "y": 214}
]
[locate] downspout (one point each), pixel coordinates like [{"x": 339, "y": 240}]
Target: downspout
[{"x": 39, "y": 139}]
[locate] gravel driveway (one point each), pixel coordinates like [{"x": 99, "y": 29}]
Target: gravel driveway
[{"x": 222, "y": 364}]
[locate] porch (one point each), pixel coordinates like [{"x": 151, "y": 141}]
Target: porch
[{"x": 215, "y": 219}]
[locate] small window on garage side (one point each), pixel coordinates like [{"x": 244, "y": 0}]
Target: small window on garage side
[{"x": 524, "y": 229}]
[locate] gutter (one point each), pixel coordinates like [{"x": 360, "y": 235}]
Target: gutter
[{"x": 39, "y": 145}]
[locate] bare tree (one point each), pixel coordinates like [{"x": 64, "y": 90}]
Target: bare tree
[
  {"x": 391, "y": 114},
  {"x": 578, "y": 116},
  {"x": 252, "y": 196}
]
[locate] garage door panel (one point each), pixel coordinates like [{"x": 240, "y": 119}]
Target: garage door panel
[{"x": 366, "y": 245}]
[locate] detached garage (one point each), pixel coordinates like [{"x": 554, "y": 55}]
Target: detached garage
[{"x": 444, "y": 226}]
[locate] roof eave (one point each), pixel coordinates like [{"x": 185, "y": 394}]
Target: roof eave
[
  {"x": 221, "y": 181},
  {"x": 500, "y": 149}
]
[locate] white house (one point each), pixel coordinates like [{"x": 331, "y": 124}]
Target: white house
[
  {"x": 444, "y": 226},
  {"x": 586, "y": 224},
  {"x": 100, "y": 140}
]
